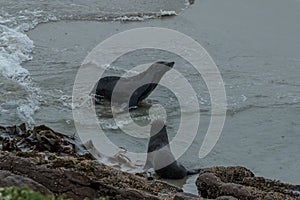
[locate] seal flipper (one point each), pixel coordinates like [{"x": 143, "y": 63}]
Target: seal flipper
[{"x": 192, "y": 171}]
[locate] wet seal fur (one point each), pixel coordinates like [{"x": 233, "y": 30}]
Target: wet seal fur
[
  {"x": 126, "y": 86},
  {"x": 155, "y": 159}
]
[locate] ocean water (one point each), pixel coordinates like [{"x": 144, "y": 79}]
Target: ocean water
[
  {"x": 42, "y": 45},
  {"x": 16, "y": 18}
]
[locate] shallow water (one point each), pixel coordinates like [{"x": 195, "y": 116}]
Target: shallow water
[{"x": 256, "y": 51}]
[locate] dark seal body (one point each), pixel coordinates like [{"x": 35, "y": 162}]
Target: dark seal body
[
  {"x": 159, "y": 152},
  {"x": 131, "y": 90}
]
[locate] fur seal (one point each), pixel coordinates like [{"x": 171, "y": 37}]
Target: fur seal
[
  {"x": 155, "y": 159},
  {"x": 140, "y": 86}
]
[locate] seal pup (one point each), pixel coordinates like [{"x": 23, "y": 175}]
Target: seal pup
[
  {"x": 134, "y": 88},
  {"x": 159, "y": 153}
]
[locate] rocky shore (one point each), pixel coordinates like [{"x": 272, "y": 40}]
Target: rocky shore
[{"x": 56, "y": 164}]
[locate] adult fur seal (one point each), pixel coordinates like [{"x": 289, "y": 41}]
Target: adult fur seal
[
  {"x": 134, "y": 88},
  {"x": 159, "y": 153}
]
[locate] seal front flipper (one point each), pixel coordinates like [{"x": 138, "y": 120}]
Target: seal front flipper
[{"x": 192, "y": 171}]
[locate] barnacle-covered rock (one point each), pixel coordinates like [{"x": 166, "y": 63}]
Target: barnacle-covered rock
[
  {"x": 241, "y": 183},
  {"x": 80, "y": 178}
]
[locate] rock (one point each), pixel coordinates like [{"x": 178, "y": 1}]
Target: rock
[
  {"x": 208, "y": 185},
  {"x": 39, "y": 139},
  {"x": 240, "y": 183},
  {"x": 54, "y": 163},
  {"x": 185, "y": 196},
  {"x": 9, "y": 179},
  {"x": 84, "y": 178},
  {"x": 236, "y": 190},
  {"x": 51, "y": 162},
  {"x": 226, "y": 198}
]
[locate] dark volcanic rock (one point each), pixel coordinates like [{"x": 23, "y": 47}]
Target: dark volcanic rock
[{"x": 241, "y": 183}]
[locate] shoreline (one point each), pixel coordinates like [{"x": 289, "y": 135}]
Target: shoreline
[{"x": 59, "y": 168}]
